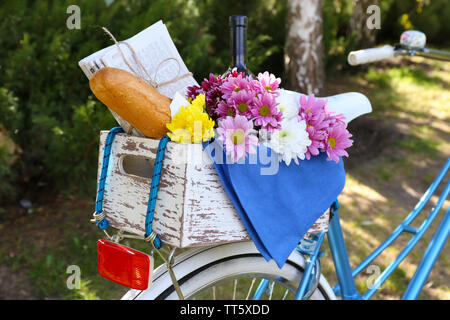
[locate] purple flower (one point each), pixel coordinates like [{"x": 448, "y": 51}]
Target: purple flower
[
  {"x": 211, "y": 88},
  {"x": 224, "y": 110},
  {"x": 193, "y": 92}
]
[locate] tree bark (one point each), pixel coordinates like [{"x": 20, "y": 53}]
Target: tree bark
[{"x": 304, "y": 65}]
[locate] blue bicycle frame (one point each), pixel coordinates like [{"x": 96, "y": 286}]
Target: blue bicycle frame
[{"x": 346, "y": 287}]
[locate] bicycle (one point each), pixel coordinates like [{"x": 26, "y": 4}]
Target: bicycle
[{"x": 201, "y": 271}]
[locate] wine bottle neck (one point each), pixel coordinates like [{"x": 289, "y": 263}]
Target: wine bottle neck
[
  {"x": 238, "y": 45},
  {"x": 239, "y": 61}
]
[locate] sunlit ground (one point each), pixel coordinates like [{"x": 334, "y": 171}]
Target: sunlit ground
[{"x": 414, "y": 100}]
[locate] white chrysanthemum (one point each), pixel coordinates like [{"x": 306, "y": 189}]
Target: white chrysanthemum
[
  {"x": 263, "y": 136},
  {"x": 288, "y": 104},
  {"x": 291, "y": 142}
]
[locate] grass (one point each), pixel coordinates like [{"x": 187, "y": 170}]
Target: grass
[
  {"x": 47, "y": 246},
  {"x": 46, "y": 261},
  {"x": 419, "y": 145},
  {"x": 412, "y": 116}
]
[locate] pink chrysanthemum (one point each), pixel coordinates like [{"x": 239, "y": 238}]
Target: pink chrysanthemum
[
  {"x": 338, "y": 139},
  {"x": 318, "y": 138},
  {"x": 238, "y": 137},
  {"x": 234, "y": 84},
  {"x": 335, "y": 119},
  {"x": 313, "y": 111},
  {"x": 269, "y": 83},
  {"x": 266, "y": 113},
  {"x": 243, "y": 102}
]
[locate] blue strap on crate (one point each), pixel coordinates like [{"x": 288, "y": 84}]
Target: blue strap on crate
[
  {"x": 100, "y": 219},
  {"x": 149, "y": 234}
]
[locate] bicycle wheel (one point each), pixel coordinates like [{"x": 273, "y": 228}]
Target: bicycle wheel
[{"x": 229, "y": 271}]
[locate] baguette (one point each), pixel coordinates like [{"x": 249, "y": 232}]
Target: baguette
[{"x": 133, "y": 99}]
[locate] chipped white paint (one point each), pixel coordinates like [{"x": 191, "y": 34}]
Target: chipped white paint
[{"x": 192, "y": 208}]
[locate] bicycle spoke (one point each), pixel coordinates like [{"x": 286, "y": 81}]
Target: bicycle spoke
[
  {"x": 271, "y": 289},
  {"x": 214, "y": 292},
  {"x": 234, "y": 289},
  {"x": 250, "y": 290}
]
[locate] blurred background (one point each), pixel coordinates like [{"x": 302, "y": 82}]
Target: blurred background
[{"x": 50, "y": 122}]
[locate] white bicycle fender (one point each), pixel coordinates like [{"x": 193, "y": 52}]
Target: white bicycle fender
[
  {"x": 195, "y": 258},
  {"x": 350, "y": 104}
]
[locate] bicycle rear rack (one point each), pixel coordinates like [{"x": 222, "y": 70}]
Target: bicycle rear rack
[{"x": 309, "y": 247}]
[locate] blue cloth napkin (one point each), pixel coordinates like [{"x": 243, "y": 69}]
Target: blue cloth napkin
[{"x": 278, "y": 208}]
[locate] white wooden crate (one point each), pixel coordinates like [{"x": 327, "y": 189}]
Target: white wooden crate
[{"x": 192, "y": 208}]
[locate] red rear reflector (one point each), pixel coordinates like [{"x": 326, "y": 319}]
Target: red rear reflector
[{"x": 124, "y": 265}]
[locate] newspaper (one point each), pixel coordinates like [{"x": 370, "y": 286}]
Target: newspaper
[{"x": 156, "y": 52}]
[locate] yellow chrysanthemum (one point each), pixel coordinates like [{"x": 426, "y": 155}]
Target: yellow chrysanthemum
[
  {"x": 191, "y": 124},
  {"x": 199, "y": 100}
]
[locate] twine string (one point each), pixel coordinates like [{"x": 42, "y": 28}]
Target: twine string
[{"x": 142, "y": 69}]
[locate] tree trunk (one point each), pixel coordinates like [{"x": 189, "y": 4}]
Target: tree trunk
[
  {"x": 364, "y": 36},
  {"x": 304, "y": 65}
]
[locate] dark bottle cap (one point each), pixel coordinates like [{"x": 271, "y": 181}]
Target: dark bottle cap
[{"x": 238, "y": 21}]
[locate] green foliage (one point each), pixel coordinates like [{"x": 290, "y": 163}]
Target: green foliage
[
  {"x": 205, "y": 46},
  {"x": 430, "y": 17},
  {"x": 39, "y": 67},
  {"x": 337, "y": 43},
  {"x": 55, "y": 118},
  {"x": 6, "y": 174},
  {"x": 9, "y": 115}
]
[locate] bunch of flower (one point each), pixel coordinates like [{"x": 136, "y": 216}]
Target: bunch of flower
[
  {"x": 247, "y": 111},
  {"x": 327, "y": 131},
  {"x": 191, "y": 124},
  {"x": 242, "y": 106},
  {"x": 211, "y": 89}
]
